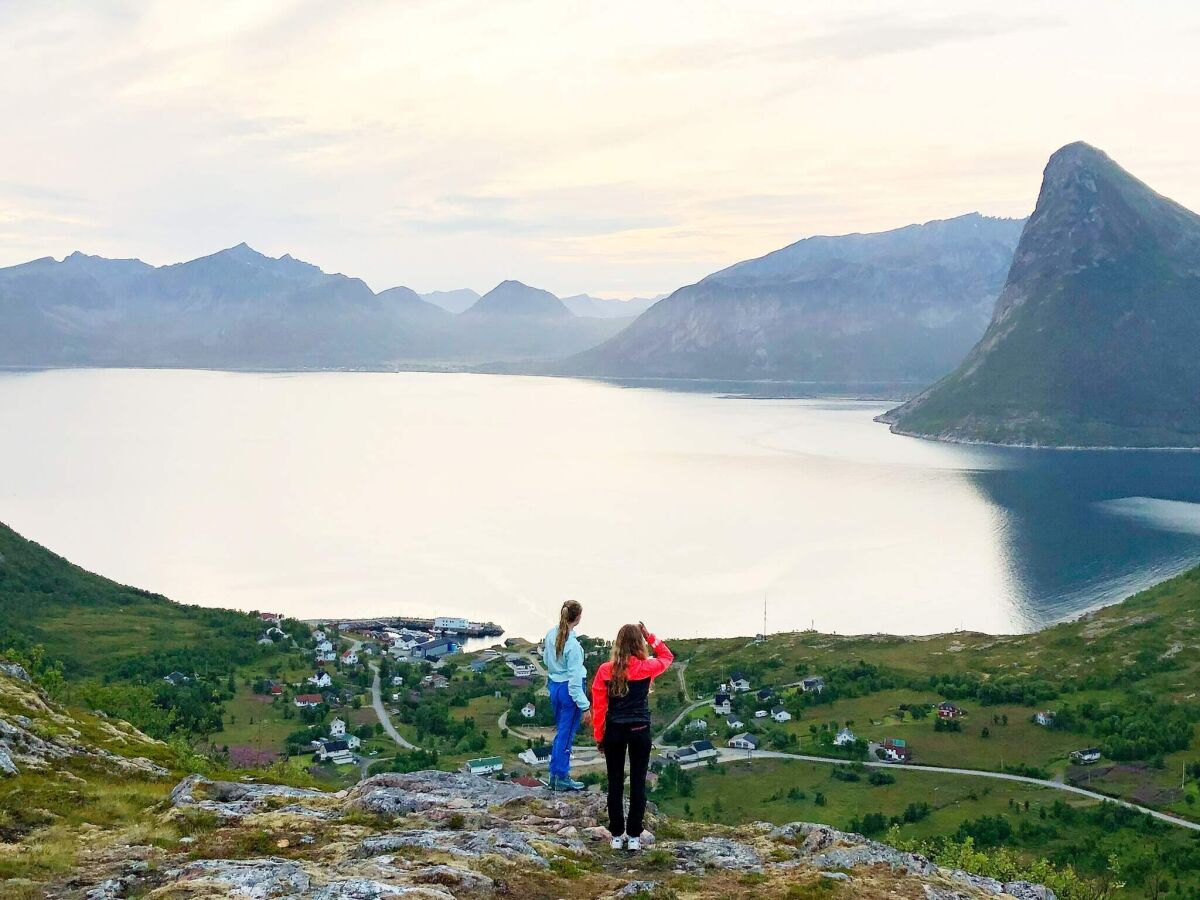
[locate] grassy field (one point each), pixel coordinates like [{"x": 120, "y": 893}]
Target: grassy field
[
  {"x": 1044, "y": 823},
  {"x": 758, "y": 790}
]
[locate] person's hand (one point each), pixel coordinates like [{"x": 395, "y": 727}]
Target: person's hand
[
  {"x": 645, "y": 631},
  {"x": 600, "y": 746},
  {"x": 586, "y": 718}
]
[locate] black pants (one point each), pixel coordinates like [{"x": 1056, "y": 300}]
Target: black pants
[{"x": 619, "y": 738}]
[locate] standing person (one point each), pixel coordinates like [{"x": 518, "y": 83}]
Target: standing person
[
  {"x": 563, "y": 655},
  {"x": 621, "y": 722}
]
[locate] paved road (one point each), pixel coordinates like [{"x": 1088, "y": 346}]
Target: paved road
[
  {"x": 377, "y": 702},
  {"x": 727, "y": 755},
  {"x": 384, "y": 719}
]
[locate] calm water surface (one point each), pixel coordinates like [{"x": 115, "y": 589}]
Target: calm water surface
[{"x": 495, "y": 498}]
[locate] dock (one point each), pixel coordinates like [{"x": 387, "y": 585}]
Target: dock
[{"x": 379, "y": 623}]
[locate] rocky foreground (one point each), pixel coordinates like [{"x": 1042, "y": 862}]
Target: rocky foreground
[
  {"x": 445, "y": 835},
  {"x": 85, "y": 813}
]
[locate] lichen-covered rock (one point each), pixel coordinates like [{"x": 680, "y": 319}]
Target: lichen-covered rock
[
  {"x": 461, "y": 880},
  {"x": 14, "y": 670},
  {"x": 395, "y": 794},
  {"x": 716, "y": 853},
  {"x": 256, "y": 879},
  {"x": 507, "y": 843},
  {"x": 637, "y": 888},
  {"x": 231, "y": 800},
  {"x": 367, "y": 889}
]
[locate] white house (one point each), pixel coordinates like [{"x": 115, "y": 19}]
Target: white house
[
  {"x": 844, "y": 737},
  {"x": 484, "y": 766},
  {"x": 326, "y": 656},
  {"x": 739, "y": 682},
  {"x": 1046, "y": 717},
  {"x": 318, "y": 635},
  {"x": 324, "y": 646},
  {"x": 704, "y": 750},
  {"x": 1086, "y": 757},
  {"x": 320, "y": 679},
  {"x": 721, "y": 704},
  {"x": 735, "y": 723},
  {"x": 529, "y": 710},
  {"x": 449, "y": 623},
  {"x": 337, "y": 728},
  {"x": 397, "y": 681},
  {"x": 743, "y": 742},
  {"x": 698, "y": 725},
  {"x": 308, "y": 700},
  {"x": 350, "y": 658},
  {"x": 521, "y": 668},
  {"x": 395, "y": 696},
  {"x": 813, "y": 683},
  {"x": 761, "y": 714},
  {"x": 535, "y": 756},
  {"x": 337, "y": 752},
  {"x": 781, "y": 715}
]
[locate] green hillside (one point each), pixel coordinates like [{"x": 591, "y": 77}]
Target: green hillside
[{"x": 110, "y": 647}]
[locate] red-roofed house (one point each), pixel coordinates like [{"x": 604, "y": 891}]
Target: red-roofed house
[{"x": 303, "y": 700}]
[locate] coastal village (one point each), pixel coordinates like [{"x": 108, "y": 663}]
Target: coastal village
[{"x": 363, "y": 696}]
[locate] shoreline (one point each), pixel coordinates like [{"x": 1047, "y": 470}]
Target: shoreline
[{"x": 970, "y": 442}]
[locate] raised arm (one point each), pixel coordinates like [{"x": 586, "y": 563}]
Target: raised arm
[{"x": 655, "y": 665}]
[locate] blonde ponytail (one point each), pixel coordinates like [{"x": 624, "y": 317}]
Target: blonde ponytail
[{"x": 568, "y": 616}]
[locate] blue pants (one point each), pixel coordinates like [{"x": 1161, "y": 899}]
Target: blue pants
[{"x": 566, "y": 721}]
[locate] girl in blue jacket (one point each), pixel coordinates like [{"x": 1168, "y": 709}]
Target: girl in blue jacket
[{"x": 563, "y": 656}]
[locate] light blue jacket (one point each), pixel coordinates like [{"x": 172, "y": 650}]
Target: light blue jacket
[{"x": 568, "y": 667}]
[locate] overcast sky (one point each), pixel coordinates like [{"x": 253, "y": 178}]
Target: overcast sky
[{"x": 615, "y": 148}]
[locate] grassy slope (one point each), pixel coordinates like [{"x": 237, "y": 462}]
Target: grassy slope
[
  {"x": 1112, "y": 643},
  {"x": 92, "y": 624}
]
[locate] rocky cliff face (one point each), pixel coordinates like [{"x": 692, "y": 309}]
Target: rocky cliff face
[
  {"x": 1093, "y": 339},
  {"x": 902, "y": 305}
]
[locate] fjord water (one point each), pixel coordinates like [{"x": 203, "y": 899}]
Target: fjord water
[{"x": 492, "y": 497}]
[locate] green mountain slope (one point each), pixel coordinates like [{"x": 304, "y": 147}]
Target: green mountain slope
[{"x": 1094, "y": 338}]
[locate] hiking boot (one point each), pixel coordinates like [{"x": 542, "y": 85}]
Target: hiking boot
[
  {"x": 618, "y": 843},
  {"x": 566, "y": 783},
  {"x": 633, "y": 844}
]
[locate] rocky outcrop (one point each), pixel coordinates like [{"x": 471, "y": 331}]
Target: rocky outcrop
[
  {"x": 439, "y": 835},
  {"x": 35, "y": 735}
]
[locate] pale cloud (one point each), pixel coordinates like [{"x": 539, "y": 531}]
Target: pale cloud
[{"x": 610, "y": 148}]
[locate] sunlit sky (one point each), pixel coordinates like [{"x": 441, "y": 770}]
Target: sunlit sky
[{"x": 617, "y": 148}]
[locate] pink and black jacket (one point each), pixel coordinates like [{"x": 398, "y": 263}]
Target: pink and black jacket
[{"x": 634, "y": 707}]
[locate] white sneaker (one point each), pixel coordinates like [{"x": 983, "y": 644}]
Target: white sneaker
[
  {"x": 618, "y": 843},
  {"x": 633, "y": 844}
]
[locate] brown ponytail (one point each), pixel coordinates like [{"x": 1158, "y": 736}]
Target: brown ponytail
[
  {"x": 571, "y": 611},
  {"x": 629, "y": 643}
]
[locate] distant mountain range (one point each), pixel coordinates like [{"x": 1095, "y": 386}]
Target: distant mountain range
[
  {"x": 600, "y": 308},
  {"x": 241, "y": 309},
  {"x": 902, "y": 305},
  {"x": 1095, "y": 339},
  {"x": 452, "y": 301},
  {"x": 582, "y": 305}
]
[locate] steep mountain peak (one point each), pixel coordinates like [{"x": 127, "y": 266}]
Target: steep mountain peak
[
  {"x": 243, "y": 252},
  {"x": 1093, "y": 338}
]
